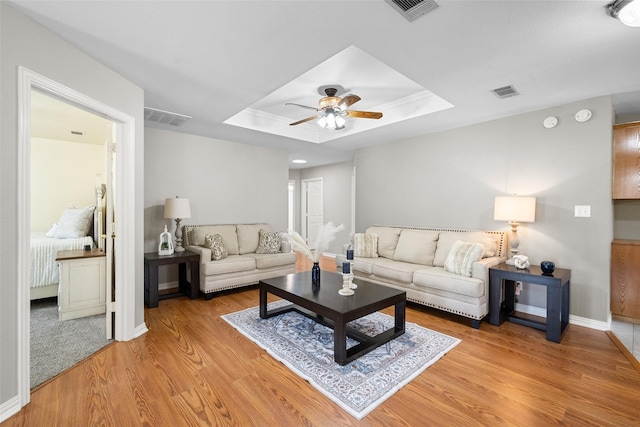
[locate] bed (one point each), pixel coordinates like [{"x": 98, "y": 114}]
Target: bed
[{"x": 76, "y": 228}]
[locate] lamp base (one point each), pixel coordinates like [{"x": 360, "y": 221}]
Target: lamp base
[{"x": 179, "y": 249}]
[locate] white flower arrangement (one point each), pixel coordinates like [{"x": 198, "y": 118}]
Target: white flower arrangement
[{"x": 326, "y": 235}]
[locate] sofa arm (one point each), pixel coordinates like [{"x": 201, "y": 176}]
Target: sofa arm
[
  {"x": 205, "y": 254},
  {"x": 480, "y": 269}
]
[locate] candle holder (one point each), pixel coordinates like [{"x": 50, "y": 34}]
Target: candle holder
[{"x": 346, "y": 285}]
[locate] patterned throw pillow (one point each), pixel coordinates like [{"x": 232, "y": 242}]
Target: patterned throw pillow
[
  {"x": 216, "y": 244},
  {"x": 462, "y": 256},
  {"x": 269, "y": 242},
  {"x": 365, "y": 245}
]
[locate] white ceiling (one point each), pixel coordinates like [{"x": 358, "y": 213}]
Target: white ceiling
[{"x": 213, "y": 59}]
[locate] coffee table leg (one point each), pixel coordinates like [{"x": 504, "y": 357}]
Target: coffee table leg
[
  {"x": 263, "y": 303},
  {"x": 400, "y": 316},
  {"x": 339, "y": 342}
]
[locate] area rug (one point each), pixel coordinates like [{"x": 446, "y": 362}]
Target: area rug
[
  {"x": 57, "y": 345},
  {"x": 306, "y": 347}
]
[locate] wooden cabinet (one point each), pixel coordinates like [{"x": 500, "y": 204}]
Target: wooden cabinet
[
  {"x": 625, "y": 278},
  {"x": 626, "y": 161},
  {"x": 82, "y": 290}
]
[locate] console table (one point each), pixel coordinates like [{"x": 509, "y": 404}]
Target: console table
[
  {"x": 557, "y": 285},
  {"x": 151, "y": 263}
]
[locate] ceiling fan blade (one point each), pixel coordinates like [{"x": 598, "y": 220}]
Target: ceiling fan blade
[
  {"x": 349, "y": 100},
  {"x": 303, "y": 121},
  {"x": 364, "y": 114},
  {"x": 303, "y": 106}
]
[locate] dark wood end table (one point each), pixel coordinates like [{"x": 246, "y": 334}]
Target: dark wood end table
[
  {"x": 151, "y": 263},
  {"x": 557, "y": 284},
  {"x": 323, "y": 304}
]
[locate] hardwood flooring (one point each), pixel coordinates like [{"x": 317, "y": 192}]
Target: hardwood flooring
[{"x": 192, "y": 368}]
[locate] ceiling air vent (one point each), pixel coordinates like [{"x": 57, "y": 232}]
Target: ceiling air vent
[
  {"x": 413, "y": 9},
  {"x": 505, "y": 92},
  {"x": 165, "y": 117}
]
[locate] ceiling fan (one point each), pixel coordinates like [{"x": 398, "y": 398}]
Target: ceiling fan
[{"x": 332, "y": 110}]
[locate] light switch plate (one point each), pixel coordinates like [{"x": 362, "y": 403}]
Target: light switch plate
[{"x": 583, "y": 211}]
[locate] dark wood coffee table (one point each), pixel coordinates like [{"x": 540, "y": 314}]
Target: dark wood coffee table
[{"x": 323, "y": 304}]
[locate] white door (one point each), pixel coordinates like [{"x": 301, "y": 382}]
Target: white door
[
  {"x": 110, "y": 230},
  {"x": 312, "y": 198}
]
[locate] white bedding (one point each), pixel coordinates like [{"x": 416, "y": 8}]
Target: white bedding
[{"x": 44, "y": 268}]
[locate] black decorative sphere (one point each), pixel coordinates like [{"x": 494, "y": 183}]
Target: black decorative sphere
[{"x": 547, "y": 267}]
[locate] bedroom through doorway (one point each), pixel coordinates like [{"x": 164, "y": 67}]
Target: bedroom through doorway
[{"x": 71, "y": 170}]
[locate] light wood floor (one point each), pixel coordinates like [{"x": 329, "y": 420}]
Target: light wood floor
[{"x": 192, "y": 368}]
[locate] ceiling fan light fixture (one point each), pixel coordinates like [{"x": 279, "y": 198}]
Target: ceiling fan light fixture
[{"x": 627, "y": 11}]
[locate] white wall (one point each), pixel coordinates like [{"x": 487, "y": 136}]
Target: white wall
[
  {"x": 450, "y": 179},
  {"x": 225, "y": 182},
  {"x": 25, "y": 43},
  {"x": 63, "y": 174}
]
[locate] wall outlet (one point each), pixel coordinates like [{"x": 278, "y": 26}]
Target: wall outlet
[
  {"x": 582, "y": 211},
  {"x": 518, "y": 288}
]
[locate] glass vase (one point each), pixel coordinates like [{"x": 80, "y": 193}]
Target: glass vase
[{"x": 315, "y": 273}]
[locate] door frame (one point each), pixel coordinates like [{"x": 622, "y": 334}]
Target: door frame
[{"x": 125, "y": 208}]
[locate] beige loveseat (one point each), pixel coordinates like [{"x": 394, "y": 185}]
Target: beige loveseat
[
  {"x": 413, "y": 259},
  {"x": 242, "y": 266}
]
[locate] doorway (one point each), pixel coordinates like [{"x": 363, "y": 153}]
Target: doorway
[
  {"x": 125, "y": 203},
  {"x": 69, "y": 174},
  {"x": 312, "y": 210}
]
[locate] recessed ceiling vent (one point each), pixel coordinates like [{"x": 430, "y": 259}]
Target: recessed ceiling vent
[
  {"x": 166, "y": 117},
  {"x": 413, "y": 9},
  {"x": 505, "y": 92}
]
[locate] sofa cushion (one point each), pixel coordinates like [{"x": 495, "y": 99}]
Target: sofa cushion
[
  {"x": 228, "y": 233},
  {"x": 273, "y": 260},
  {"x": 387, "y": 239},
  {"x": 216, "y": 244},
  {"x": 438, "y": 278},
  {"x": 448, "y": 238},
  {"x": 462, "y": 256},
  {"x": 395, "y": 271},
  {"x": 231, "y": 264},
  {"x": 365, "y": 245},
  {"x": 363, "y": 265},
  {"x": 416, "y": 246},
  {"x": 269, "y": 242},
  {"x": 248, "y": 237}
]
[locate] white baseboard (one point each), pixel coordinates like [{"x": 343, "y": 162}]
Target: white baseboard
[
  {"x": 9, "y": 408},
  {"x": 573, "y": 320},
  {"x": 140, "y": 330},
  {"x": 168, "y": 285}
]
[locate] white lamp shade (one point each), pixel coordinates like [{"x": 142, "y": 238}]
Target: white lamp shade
[
  {"x": 516, "y": 209},
  {"x": 177, "y": 208}
]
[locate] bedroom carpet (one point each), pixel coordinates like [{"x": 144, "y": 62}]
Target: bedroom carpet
[
  {"x": 56, "y": 345},
  {"x": 306, "y": 347}
]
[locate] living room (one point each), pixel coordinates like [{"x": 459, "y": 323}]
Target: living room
[{"x": 447, "y": 178}]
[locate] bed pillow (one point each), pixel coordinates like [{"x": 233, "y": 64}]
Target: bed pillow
[
  {"x": 75, "y": 222},
  {"x": 52, "y": 230},
  {"x": 269, "y": 242},
  {"x": 365, "y": 245},
  {"x": 216, "y": 244},
  {"x": 462, "y": 256}
]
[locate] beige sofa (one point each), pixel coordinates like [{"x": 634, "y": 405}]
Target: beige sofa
[
  {"x": 243, "y": 266},
  {"x": 413, "y": 259}
]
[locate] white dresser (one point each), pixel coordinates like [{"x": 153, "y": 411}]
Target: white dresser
[{"x": 82, "y": 289}]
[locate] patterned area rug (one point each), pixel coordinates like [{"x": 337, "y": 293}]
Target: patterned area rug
[{"x": 306, "y": 347}]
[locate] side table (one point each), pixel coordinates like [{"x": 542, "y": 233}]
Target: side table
[
  {"x": 151, "y": 263},
  {"x": 557, "y": 284}
]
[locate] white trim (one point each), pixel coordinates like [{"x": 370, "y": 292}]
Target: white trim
[
  {"x": 9, "y": 408},
  {"x": 125, "y": 212}
]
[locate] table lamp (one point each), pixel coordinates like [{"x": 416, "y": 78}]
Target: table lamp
[
  {"x": 515, "y": 210},
  {"x": 177, "y": 209}
]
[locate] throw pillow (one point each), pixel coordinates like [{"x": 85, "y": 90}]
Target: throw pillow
[
  {"x": 268, "y": 242},
  {"x": 462, "y": 256},
  {"x": 416, "y": 246},
  {"x": 216, "y": 244},
  {"x": 74, "y": 223},
  {"x": 365, "y": 245},
  {"x": 52, "y": 230}
]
